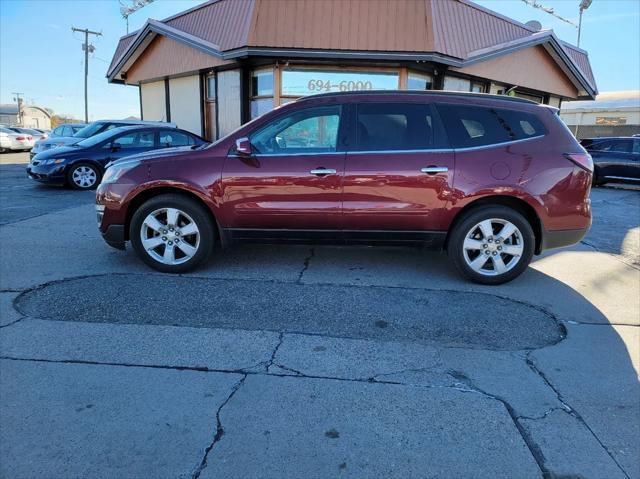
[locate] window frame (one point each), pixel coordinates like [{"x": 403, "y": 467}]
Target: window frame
[
  {"x": 174, "y": 131},
  {"x": 340, "y": 137},
  {"x": 456, "y": 129},
  {"x": 110, "y": 142}
]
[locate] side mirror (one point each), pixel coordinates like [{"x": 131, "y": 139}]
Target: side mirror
[
  {"x": 243, "y": 147},
  {"x": 115, "y": 148}
]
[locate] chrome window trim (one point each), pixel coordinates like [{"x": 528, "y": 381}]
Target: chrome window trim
[
  {"x": 445, "y": 150},
  {"x": 371, "y": 152}
]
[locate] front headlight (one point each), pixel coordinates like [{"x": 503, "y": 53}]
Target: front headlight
[
  {"x": 115, "y": 172},
  {"x": 54, "y": 161}
]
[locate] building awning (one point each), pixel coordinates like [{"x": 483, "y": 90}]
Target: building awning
[{"x": 458, "y": 33}]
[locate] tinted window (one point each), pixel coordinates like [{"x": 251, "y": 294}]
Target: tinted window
[
  {"x": 58, "y": 131},
  {"x": 636, "y": 146},
  {"x": 309, "y": 130},
  {"x": 618, "y": 146},
  {"x": 393, "y": 126},
  {"x": 175, "y": 138},
  {"x": 67, "y": 131},
  {"x": 142, "y": 139},
  {"x": 469, "y": 126}
]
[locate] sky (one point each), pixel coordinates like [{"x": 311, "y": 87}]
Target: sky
[{"x": 41, "y": 57}]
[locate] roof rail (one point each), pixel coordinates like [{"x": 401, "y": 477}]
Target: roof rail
[{"x": 419, "y": 92}]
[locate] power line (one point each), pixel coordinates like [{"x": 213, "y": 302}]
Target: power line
[
  {"x": 87, "y": 49},
  {"x": 549, "y": 10}
]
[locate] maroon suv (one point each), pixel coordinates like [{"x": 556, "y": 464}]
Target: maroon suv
[{"x": 490, "y": 179}]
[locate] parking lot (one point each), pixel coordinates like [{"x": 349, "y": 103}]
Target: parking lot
[{"x": 312, "y": 361}]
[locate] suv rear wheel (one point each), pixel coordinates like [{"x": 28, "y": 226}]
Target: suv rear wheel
[
  {"x": 172, "y": 233},
  {"x": 491, "y": 245}
]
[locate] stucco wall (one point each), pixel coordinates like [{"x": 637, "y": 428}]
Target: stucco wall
[
  {"x": 184, "y": 97},
  {"x": 154, "y": 107},
  {"x": 229, "y": 103},
  {"x": 529, "y": 68}
]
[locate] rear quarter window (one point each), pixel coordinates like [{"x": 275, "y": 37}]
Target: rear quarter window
[{"x": 472, "y": 126}]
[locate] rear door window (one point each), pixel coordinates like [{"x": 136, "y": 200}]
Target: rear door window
[
  {"x": 394, "y": 127},
  {"x": 472, "y": 126},
  {"x": 144, "y": 139},
  {"x": 175, "y": 138}
]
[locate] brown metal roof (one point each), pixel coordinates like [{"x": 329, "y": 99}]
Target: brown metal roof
[
  {"x": 225, "y": 23},
  {"x": 448, "y": 29},
  {"x": 379, "y": 25}
]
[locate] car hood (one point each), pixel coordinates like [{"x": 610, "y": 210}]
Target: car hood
[
  {"x": 162, "y": 154},
  {"x": 60, "y": 152}
]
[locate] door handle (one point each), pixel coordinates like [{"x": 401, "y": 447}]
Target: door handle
[
  {"x": 322, "y": 171},
  {"x": 432, "y": 170}
]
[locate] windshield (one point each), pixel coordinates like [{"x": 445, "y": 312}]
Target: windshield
[
  {"x": 94, "y": 140},
  {"x": 88, "y": 130}
]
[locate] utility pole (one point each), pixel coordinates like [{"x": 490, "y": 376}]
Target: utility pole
[
  {"x": 87, "y": 49},
  {"x": 18, "y": 98}
]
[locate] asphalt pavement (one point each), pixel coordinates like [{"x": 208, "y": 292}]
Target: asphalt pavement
[{"x": 312, "y": 361}]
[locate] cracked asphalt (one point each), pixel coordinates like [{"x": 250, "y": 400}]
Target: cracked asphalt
[{"x": 312, "y": 362}]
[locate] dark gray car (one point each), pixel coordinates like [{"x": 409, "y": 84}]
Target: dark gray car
[
  {"x": 90, "y": 130},
  {"x": 616, "y": 159}
]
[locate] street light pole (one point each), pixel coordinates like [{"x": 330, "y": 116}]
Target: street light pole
[
  {"x": 584, "y": 4},
  {"x": 86, "y": 47}
]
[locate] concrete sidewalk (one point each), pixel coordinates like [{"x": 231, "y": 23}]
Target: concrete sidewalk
[{"x": 291, "y": 362}]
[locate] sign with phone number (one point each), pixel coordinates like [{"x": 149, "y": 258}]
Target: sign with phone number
[
  {"x": 344, "y": 85},
  {"x": 309, "y": 82}
]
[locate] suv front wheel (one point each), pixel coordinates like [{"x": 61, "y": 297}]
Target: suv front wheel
[
  {"x": 491, "y": 245},
  {"x": 172, "y": 233}
]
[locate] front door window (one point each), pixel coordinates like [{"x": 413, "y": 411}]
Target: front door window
[{"x": 306, "y": 131}]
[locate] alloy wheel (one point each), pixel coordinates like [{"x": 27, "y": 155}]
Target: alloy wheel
[
  {"x": 493, "y": 247},
  {"x": 170, "y": 236},
  {"x": 84, "y": 177}
]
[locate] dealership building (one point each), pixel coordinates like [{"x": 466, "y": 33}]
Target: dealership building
[{"x": 213, "y": 67}]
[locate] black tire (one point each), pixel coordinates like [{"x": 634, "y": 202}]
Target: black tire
[
  {"x": 596, "y": 180},
  {"x": 473, "y": 217},
  {"x": 196, "y": 211},
  {"x": 76, "y": 185}
]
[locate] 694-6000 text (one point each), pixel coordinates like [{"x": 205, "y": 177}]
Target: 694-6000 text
[{"x": 344, "y": 85}]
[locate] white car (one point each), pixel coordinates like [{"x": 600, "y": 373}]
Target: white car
[{"x": 10, "y": 140}]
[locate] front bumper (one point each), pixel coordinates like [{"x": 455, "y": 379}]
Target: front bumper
[
  {"x": 50, "y": 174},
  {"x": 114, "y": 236}
]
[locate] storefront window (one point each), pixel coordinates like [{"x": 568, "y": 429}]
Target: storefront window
[
  {"x": 456, "y": 84},
  {"x": 296, "y": 83},
  {"x": 260, "y": 106},
  {"x": 477, "y": 87},
  {"x": 261, "y": 92},
  {"x": 262, "y": 83},
  {"x": 211, "y": 88},
  {"x": 419, "y": 81}
]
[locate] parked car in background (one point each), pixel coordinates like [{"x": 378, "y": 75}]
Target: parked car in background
[
  {"x": 11, "y": 140},
  {"x": 90, "y": 130},
  {"x": 615, "y": 159},
  {"x": 81, "y": 165},
  {"x": 36, "y": 134},
  {"x": 490, "y": 179},
  {"x": 67, "y": 129}
]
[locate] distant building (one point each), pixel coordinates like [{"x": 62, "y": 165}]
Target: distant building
[
  {"x": 615, "y": 113},
  {"x": 215, "y": 66},
  {"x": 31, "y": 116}
]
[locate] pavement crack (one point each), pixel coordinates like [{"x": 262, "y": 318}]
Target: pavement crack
[
  {"x": 219, "y": 429},
  {"x": 570, "y": 410},
  {"x": 13, "y": 322},
  {"x": 305, "y": 265},
  {"x": 534, "y": 448},
  {"x": 269, "y": 363}
]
